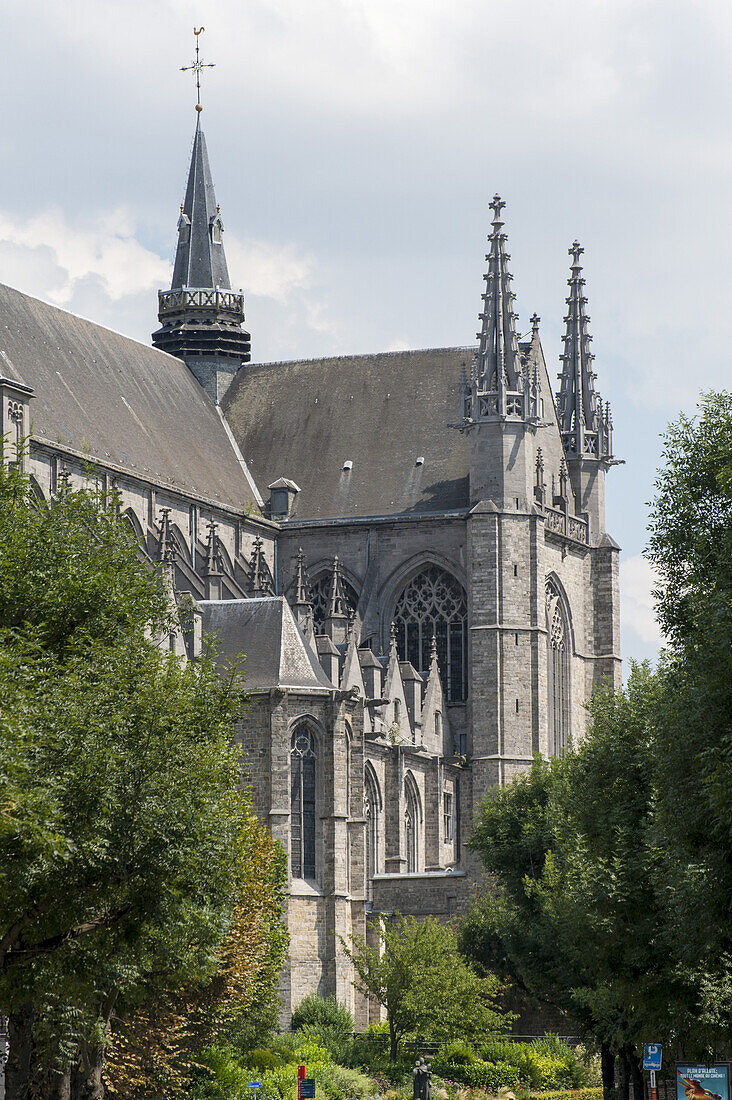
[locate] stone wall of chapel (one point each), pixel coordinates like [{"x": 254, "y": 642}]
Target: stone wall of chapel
[
  {"x": 332, "y": 905},
  {"x": 378, "y": 560}
]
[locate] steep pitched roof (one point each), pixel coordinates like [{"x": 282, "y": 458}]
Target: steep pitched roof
[
  {"x": 114, "y": 399},
  {"x": 200, "y": 259},
  {"x": 307, "y": 419},
  {"x": 265, "y": 632}
]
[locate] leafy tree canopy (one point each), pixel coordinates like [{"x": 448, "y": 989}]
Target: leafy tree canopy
[{"x": 418, "y": 974}]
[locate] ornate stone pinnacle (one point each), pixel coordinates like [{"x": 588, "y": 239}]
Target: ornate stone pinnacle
[{"x": 535, "y": 318}]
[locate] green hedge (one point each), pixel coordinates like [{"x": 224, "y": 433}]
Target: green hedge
[{"x": 478, "y": 1075}]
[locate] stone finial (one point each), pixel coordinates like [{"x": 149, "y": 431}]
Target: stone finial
[
  {"x": 433, "y": 650},
  {"x": 535, "y": 319},
  {"x": 260, "y": 578}
]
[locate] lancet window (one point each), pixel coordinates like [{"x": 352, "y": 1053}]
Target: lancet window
[
  {"x": 320, "y": 599},
  {"x": 434, "y": 603},
  {"x": 411, "y": 825},
  {"x": 372, "y": 808},
  {"x": 557, "y": 658},
  {"x": 303, "y": 761}
]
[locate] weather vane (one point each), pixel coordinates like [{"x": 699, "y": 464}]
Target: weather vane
[{"x": 196, "y": 66}]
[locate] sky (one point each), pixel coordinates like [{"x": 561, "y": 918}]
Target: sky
[{"x": 355, "y": 146}]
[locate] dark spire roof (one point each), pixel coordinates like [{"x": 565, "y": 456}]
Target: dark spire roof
[
  {"x": 200, "y": 260},
  {"x": 586, "y": 429},
  {"x": 201, "y": 318}
]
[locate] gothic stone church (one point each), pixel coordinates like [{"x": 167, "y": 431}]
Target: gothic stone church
[{"x": 408, "y": 547}]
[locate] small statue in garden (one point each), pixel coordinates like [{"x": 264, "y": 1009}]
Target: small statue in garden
[{"x": 421, "y": 1081}]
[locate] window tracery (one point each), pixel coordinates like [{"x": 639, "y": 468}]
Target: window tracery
[
  {"x": 434, "y": 603},
  {"x": 557, "y": 670},
  {"x": 302, "y": 802}
]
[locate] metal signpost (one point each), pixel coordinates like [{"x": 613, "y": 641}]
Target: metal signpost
[{"x": 652, "y": 1061}]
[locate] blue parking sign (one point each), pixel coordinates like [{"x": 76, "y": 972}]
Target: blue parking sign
[{"x": 652, "y": 1056}]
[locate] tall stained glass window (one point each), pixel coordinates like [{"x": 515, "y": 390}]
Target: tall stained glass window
[
  {"x": 302, "y": 802},
  {"x": 434, "y": 603},
  {"x": 557, "y": 659}
]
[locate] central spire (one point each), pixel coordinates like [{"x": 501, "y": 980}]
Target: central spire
[
  {"x": 201, "y": 317},
  {"x": 200, "y": 260}
]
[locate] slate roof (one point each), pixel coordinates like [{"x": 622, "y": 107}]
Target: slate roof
[
  {"x": 116, "y": 400},
  {"x": 265, "y": 631},
  {"x": 305, "y": 419}
]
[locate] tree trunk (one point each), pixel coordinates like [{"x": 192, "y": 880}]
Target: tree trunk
[
  {"x": 623, "y": 1092},
  {"x": 393, "y": 1041},
  {"x": 87, "y": 1082},
  {"x": 20, "y": 1050},
  {"x": 607, "y": 1064},
  {"x": 636, "y": 1075}
]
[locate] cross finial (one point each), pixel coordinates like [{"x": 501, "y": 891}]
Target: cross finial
[
  {"x": 497, "y": 206},
  {"x": 535, "y": 318},
  {"x": 196, "y": 66},
  {"x": 575, "y": 252}
]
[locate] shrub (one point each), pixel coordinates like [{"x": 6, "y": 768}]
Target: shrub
[
  {"x": 480, "y": 1075},
  {"x": 458, "y": 1052},
  {"x": 317, "y": 1012},
  {"x": 263, "y": 1060}
]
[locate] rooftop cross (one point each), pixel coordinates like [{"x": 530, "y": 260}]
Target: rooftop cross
[{"x": 196, "y": 66}]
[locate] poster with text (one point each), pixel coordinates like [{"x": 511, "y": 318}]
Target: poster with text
[{"x": 702, "y": 1082}]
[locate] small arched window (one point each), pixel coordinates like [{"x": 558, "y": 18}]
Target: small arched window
[
  {"x": 302, "y": 802},
  {"x": 557, "y": 659},
  {"x": 411, "y": 825},
  {"x": 371, "y": 810},
  {"x": 434, "y": 603}
]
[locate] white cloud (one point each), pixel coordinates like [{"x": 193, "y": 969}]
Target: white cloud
[
  {"x": 268, "y": 270},
  {"x": 637, "y": 579},
  {"x": 46, "y": 256}
]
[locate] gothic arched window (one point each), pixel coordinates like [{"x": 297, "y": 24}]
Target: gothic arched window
[
  {"x": 302, "y": 802},
  {"x": 320, "y": 599},
  {"x": 434, "y": 603},
  {"x": 411, "y": 825},
  {"x": 557, "y": 660},
  {"x": 371, "y": 810}
]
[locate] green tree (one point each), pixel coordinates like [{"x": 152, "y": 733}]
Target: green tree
[
  {"x": 121, "y": 817},
  {"x": 573, "y": 917},
  {"x": 691, "y": 548},
  {"x": 419, "y": 976}
]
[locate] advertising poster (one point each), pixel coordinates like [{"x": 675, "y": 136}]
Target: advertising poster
[{"x": 702, "y": 1082}]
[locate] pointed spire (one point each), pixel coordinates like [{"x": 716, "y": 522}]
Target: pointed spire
[
  {"x": 302, "y": 586},
  {"x": 201, "y": 317},
  {"x": 499, "y": 362},
  {"x": 213, "y": 560},
  {"x": 200, "y": 260},
  {"x": 212, "y": 567},
  {"x": 260, "y": 578},
  {"x": 579, "y": 411},
  {"x": 337, "y": 604},
  {"x": 166, "y": 546},
  {"x": 302, "y": 602}
]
